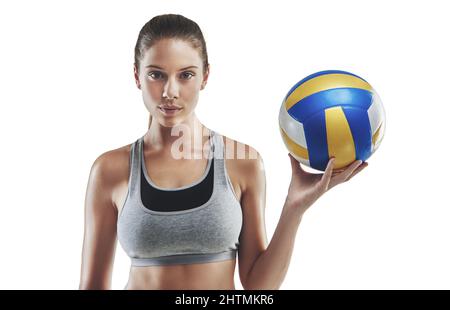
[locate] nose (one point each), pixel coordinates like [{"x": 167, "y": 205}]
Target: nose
[{"x": 170, "y": 89}]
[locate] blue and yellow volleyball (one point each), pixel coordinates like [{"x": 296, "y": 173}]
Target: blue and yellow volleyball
[{"x": 332, "y": 114}]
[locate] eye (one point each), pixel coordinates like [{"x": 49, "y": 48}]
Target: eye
[
  {"x": 156, "y": 75},
  {"x": 187, "y": 75}
]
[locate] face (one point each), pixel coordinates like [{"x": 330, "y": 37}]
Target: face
[{"x": 171, "y": 77}]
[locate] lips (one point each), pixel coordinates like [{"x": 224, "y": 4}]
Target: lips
[{"x": 169, "y": 110}]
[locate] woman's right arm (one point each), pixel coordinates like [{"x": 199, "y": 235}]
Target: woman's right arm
[{"x": 100, "y": 219}]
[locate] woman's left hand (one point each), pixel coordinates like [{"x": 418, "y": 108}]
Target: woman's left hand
[{"x": 306, "y": 188}]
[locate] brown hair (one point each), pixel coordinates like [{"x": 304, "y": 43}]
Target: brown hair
[{"x": 170, "y": 26}]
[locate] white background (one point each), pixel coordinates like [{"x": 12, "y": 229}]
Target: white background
[{"x": 68, "y": 95}]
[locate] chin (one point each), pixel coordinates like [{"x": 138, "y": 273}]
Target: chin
[{"x": 169, "y": 122}]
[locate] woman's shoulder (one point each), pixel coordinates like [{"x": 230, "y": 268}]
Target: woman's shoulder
[
  {"x": 243, "y": 157},
  {"x": 235, "y": 150},
  {"x": 112, "y": 166}
]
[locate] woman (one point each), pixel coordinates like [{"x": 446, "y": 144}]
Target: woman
[{"x": 181, "y": 216}]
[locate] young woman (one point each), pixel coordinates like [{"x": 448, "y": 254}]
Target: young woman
[{"x": 184, "y": 209}]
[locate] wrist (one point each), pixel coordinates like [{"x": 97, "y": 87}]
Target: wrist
[{"x": 293, "y": 209}]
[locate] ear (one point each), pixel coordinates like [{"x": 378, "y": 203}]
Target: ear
[
  {"x": 205, "y": 77},
  {"x": 136, "y": 76}
]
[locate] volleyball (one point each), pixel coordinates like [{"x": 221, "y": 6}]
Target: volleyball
[{"x": 332, "y": 114}]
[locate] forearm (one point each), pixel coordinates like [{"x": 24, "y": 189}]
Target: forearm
[{"x": 271, "y": 266}]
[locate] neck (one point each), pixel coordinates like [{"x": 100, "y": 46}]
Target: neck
[{"x": 189, "y": 136}]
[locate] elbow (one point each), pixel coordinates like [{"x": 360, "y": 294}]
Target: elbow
[{"x": 260, "y": 282}]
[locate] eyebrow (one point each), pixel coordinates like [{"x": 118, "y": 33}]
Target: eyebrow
[{"x": 157, "y": 67}]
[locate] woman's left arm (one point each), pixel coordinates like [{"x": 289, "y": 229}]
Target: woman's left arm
[{"x": 265, "y": 267}]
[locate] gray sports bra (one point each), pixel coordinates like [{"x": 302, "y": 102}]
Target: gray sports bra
[{"x": 205, "y": 233}]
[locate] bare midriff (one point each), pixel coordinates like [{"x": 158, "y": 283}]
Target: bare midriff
[{"x": 205, "y": 276}]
